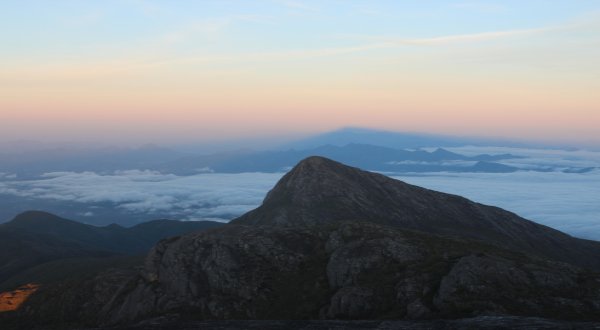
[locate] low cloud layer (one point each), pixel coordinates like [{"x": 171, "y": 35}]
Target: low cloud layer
[
  {"x": 187, "y": 197},
  {"x": 567, "y": 201},
  {"x": 537, "y": 158}
]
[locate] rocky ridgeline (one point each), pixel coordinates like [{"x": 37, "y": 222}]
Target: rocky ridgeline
[{"x": 320, "y": 191}]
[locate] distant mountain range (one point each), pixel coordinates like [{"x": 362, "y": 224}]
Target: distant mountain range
[
  {"x": 396, "y": 140},
  {"x": 35, "y": 176},
  {"x": 361, "y": 155},
  {"x": 335, "y": 242},
  {"x": 32, "y": 163},
  {"x": 369, "y": 149},
  {"x": 373, "y": 157}
]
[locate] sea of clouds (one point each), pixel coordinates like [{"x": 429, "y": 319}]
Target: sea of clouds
[
  {"x": 567, "y": 201},
  {"x": 202, "y": 196}
]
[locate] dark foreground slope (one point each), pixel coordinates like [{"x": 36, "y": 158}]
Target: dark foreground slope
[
  {"x": 348, "y": 270},
  {"x": 334, "y": 242},
  {"x": 319, "y": 190},
  {"x": 481, "y": 322},
  {"x": 34, "y": 238}
]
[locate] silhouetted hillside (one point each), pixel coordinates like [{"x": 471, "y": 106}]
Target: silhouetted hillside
[{"x": 36, "y": 237}]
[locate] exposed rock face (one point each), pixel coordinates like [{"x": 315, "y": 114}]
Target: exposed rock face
[
  {"x": 350, "y": 270},
  {"x": 238, "y": 272},
  {"x": 319, "y": 190}
]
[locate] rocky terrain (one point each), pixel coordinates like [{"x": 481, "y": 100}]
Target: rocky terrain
[
  {"x": 348, "y": 271},
  {"x": 319, "y": 190},
  {"x": 480, "y": 322},
  {"x": 335, "y": 242}
]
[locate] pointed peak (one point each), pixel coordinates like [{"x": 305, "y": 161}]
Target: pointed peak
[
  {"x": 441, "y": 151},
  {"x": 37, "y": 218},
  {"x": 114, "y": 226},
  {"x": 28, "y": 215},
  {"x": 317, "y": 161},
  {"x": 316, "y": 166},
  {"x": 320, "y": 190}
]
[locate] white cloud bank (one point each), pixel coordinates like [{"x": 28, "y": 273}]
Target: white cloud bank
[
  {"x": 568, "y": 202},
  {"x": 565, "y": 201},
  {"x": 191, "y": 197}
]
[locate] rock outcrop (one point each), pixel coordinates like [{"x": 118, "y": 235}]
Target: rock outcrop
[
  {"x": 350, "y": 270},
  {"x": 319, "y": 191}
]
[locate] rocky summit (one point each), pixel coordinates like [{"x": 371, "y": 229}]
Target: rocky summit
[
  {"x": 320, "y": 191},
  {"x": 335, "y": 242}
]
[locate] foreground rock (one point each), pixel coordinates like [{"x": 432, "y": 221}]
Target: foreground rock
[
  {"x": 348, "y": 271},
  {"x": 481, "y": 322}
]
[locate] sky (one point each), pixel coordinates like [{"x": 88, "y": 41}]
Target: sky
[{"x": 179, "y": 71}]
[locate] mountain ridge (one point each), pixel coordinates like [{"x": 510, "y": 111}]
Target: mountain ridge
[
  {"x": 111, "y": 238},
  {"x": 321, "y": 190},
  {"x": 395, "y": 139},
  {"x": 366, "y": 156}
]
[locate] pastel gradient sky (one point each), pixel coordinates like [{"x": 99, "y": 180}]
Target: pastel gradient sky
[{"x": 172, "y": 71}]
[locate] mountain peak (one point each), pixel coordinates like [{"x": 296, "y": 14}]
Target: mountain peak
[
  {"x": 319, "y": 191},
  {"x": 36, "y": 217},
  {"x": 316, "y": 163},
  {"x": 314, "y": 176}
]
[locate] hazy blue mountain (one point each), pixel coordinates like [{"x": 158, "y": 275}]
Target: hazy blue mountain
[
  {"x": 368, "y": 149},
  {"x": 398, "y": 140},
  {"x": 490, "y": 167},
  {"x": 372, "y": 157},
  {"x": 365, "y": 156},
  {"x": 32, "y": 163},
  {"x": 578, "y": 170},
  {"x": 365, "y": 148}
]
